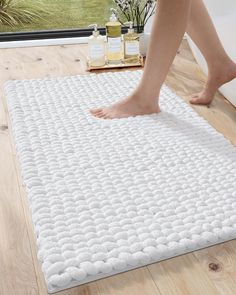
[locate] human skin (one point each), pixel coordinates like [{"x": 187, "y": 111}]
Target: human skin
[{"x": 172, "y": 19}]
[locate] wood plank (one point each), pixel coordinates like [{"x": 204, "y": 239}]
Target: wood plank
[
  {"x": 219, "y": 262},
  {"x": 137, "y": 282},
  {"x": 3, "y": 120},
  {"x": 17, "y": 275},
  {"x": 182, "y": 276},
  {"x": 231, "y": 254}
]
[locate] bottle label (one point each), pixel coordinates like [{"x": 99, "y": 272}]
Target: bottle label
[
  {"x": 114, "y": 45},
  {"x": 131, "y": 48},
  {"x": 96, "y": 51}
]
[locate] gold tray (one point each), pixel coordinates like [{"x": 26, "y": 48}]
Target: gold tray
[{"x": 123, "y": 64}]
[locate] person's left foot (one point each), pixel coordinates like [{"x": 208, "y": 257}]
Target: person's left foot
[
  {"x": 215, "y": 81},
  {"x": 129, "y": 107}
]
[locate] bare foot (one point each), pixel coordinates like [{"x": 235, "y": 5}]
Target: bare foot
[
  {"x": 129, "y": 107},
  {"x": 215, "y": 80}
]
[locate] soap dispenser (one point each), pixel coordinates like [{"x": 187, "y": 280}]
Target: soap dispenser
[
  {"x": 131, "y": 45},
  {"x": 96, "y": 46},
  {"x": 114, "y": 43}
]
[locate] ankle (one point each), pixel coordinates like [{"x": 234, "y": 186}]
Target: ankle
[
  {"x": 222, "y": 68},
  {"x": 145, "y": 98},
  {"x": 145, "y": 101}
]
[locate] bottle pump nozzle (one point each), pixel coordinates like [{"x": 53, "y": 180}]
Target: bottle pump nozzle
[
  {"x": 113, "y": 17},
  {"x": 130, "y": 24},
  {"x": 95, "y": 32}
]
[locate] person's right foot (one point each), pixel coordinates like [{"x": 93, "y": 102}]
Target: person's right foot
[{"x": 215, "y": 81}]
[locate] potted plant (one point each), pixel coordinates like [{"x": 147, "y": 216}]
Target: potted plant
[
  {"x": 17, "y": 12},
  {"x": 139, "y": 12}
]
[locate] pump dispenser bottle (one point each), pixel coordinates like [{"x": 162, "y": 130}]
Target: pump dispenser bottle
[
  {"x": 96, "y": 48},
  {"x": 131, "y": 45},
  {"x": 114, "y": 44}
]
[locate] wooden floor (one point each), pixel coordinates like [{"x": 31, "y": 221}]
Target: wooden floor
[{"x": 210, "y": 271}]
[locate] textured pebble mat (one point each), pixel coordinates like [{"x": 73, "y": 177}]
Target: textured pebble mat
[{"x": 108, "y": 196}]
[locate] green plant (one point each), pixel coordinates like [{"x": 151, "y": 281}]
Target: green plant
[
  {"x": 16, "y": 12},
  {"x": 137, "y": 11}
]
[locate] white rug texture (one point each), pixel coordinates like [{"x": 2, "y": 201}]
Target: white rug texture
[{"x": 108, "y": 196}]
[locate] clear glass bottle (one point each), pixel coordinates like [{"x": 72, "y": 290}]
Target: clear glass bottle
[
  {"x": 96, "y": 47},
  {"x": 114, "y": 43},
  {"x": 131, "y": 45}
]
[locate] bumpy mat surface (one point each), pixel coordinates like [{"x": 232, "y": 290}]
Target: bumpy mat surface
[{"x": 108, "y": 196}]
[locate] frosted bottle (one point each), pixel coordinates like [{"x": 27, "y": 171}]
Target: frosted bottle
[
  {"x": 96, "y": 47},
  {"x": 131, "y": 45}
]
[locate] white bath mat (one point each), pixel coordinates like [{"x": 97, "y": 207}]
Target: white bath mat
[{"x": 111, "y": 195}]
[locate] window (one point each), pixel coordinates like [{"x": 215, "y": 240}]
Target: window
[{"x": 51, "y": 17}]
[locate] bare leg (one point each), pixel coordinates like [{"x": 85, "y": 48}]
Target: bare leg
[
  {"x": 221, "y": 68},
  {"x": 167, "y": 31}
]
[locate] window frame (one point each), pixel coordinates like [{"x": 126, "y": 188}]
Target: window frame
[{"x": 51, "y": 34}]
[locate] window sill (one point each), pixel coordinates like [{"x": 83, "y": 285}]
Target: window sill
[{"x": 43, "y": 42}]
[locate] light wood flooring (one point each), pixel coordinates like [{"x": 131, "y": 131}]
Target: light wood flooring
[{"x": 210, "y": 271}]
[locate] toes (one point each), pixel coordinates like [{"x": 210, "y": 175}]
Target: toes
[
  {"x": 98, "y": 113},
  {"x": 195, "y": 95},
  {"x": 102, "y": 114},
  {"x": 200, "y": 101},
  {"x": 95, "y": 111},
  {"x": 107, "y": 116},
  {"x": 194, "y": 100}
]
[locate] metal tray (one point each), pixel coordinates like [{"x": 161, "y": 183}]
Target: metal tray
[{"x": 123, "y": 64}]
